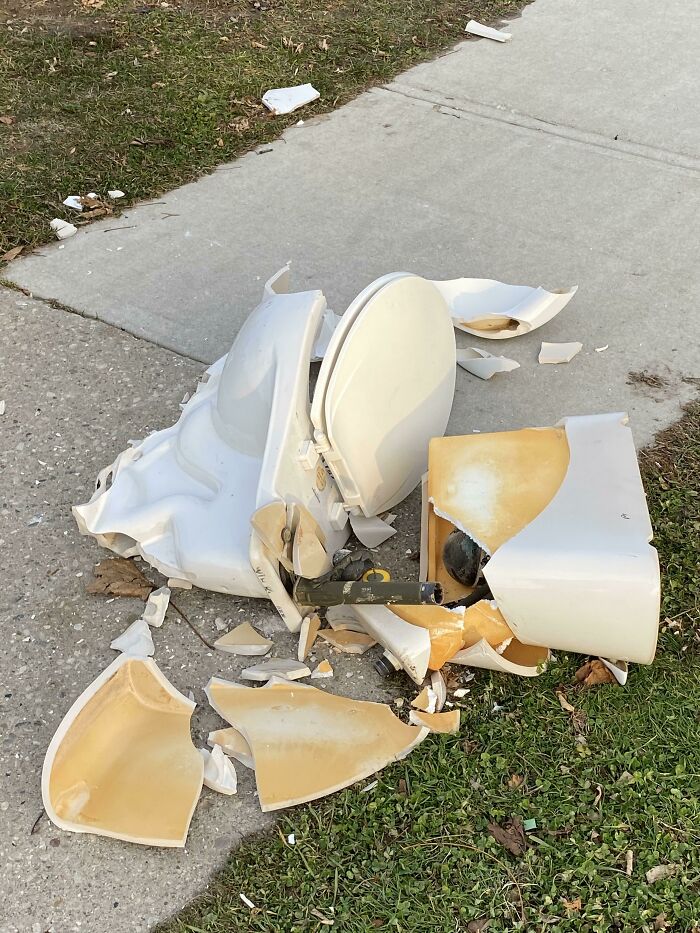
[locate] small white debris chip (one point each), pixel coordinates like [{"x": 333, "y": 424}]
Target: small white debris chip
[
  {"x": 291, "y": 839},
  {"x": 660, "y": 873},
  {"x": 136, "y": 641},
  {"x": 219, "y": 773},
  {"x": 175, "y": 584},
  {"x": 286, "y": 668},
  {"x": 436, "y": 722},
  {"x": 483, "y": 364},
  {"x": 425, "y": 701},
  {"x": 2, "y": 406},
  {"x": 323, "y": 670},
  {"x": 558, "y": 352},
  {"x": 244, "y": 640},
  {"x": 280, "y": 100},
  {"x": 156, "y": 607},
  {"x": 307, "y": 635},
  {"x": 619, "y": 670},
  {"x": 247, "y": 901},
  {"x": 62, "y": 228},
  {"x": 74, "y": 201},
  {"x": 487, "y": 32},
  {"x": 371, "y": 531},
  {"x": 233, "y": 744},
  {"x": 437, "y": 682},
  {"x": 115, "y": 194},
  {"x": 601, "y": 349}
]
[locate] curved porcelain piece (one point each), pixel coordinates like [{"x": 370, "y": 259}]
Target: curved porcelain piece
[
  {"x": 582, "y": 576},
  {"x": 483, "y": 364},
  {"x": 516, "y": 658},
  {"x": 495, "y": 310},
  {"x": 122, "y": 762}
]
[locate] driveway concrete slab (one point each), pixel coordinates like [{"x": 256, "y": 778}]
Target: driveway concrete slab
[
  {"x": 408, "y": 178},
  {"x": 75, "y": 391},
  {"x": 438, "y": 192},
  {"x": 624, "y": 71}
]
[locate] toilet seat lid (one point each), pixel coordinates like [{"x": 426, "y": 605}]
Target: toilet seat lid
[{"x": 385, "y": 388}]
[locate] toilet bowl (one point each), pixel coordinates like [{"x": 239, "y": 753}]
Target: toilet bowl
[{"x": 183, "y": 498}]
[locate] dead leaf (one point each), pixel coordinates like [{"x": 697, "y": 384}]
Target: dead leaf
[
  {"x": 572, "y": 906},
  {"x": 514, "y": 781},
  {"x": 660, "y": 872},
  {"x": 579, "y": 719},
  {"x": 452, "y": 676},
  {"x": 598, "y": 795},
  {"x": 594, "y": 673},
  {"x": 564, "y": 703},
  {"x": 7, "y": 120},
  {"x": 660, "y": 922},
  {"x": 323, "y": 44},
  {"x": 402, "y": 788},
  {"x": 469, "y": 747},
  {"x": 629, "y": 862},
  {"x": 117, "y": 576},
  {"x": 478, "y": 926},
  {"x": 510, "y": 835},
  {"x": 11, "y": 254},
  {"x": 87, "y": 216}
]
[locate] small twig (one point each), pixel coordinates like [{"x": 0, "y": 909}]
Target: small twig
[
  {"x": 112, "y": 229},
  {"x": 193, "y": 627},
  {"x": 35, "y": 824}
]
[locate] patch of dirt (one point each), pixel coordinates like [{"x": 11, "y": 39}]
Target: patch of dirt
[
  {"x": 58, "y": 17},
  {"x": 652, "y": 380}
]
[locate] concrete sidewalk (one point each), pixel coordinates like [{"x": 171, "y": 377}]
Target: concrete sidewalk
[
  {"x": 89, "y": 388},
  {"x": 568, "y": 156}
]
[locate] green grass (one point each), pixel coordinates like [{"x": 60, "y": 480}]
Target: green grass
[
  {"x": 418, "y": 857},
  {"x": 81, "y": 86}
]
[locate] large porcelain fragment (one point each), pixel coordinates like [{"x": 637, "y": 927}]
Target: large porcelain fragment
[
  {"x": 562, "y": 513},
  {"x": 217, "y": 499},
  {"x": 122, "y": 762},
  {"x": 487, "y": 308},
  {"x": 307, "y": 743}
]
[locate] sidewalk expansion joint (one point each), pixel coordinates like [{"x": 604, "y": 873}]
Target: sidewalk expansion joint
[
  {"x": 463, "y": 107},
  {"x": 57, "y": 305}
]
